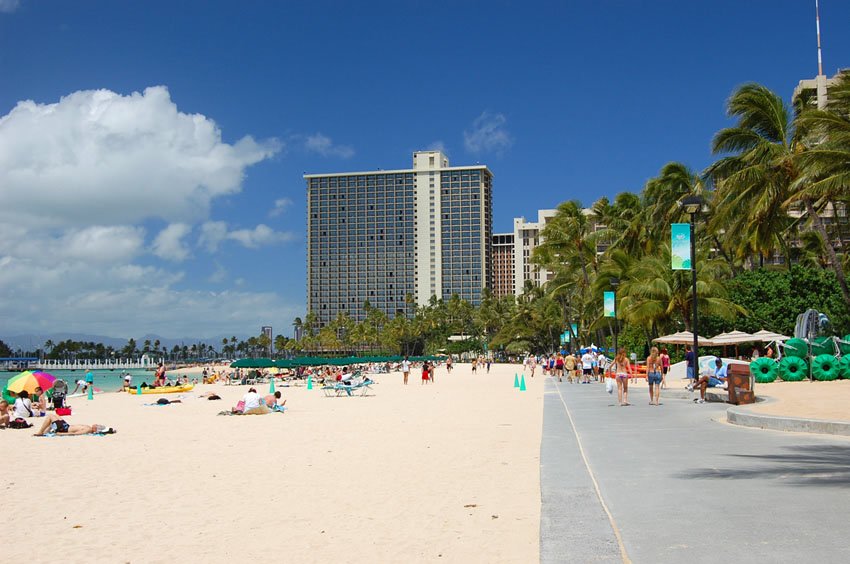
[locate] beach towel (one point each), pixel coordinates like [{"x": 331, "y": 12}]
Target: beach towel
[{"x": 67, "y": 435}]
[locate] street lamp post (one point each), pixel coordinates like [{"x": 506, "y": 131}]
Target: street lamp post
[{"x": 692, "y": 205}]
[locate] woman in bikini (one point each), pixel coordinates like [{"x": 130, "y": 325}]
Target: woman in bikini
[
  {"x": 654, "y": 376},
  {"x": 665, "y": 367},
  {"x": 622, "y": 368}
]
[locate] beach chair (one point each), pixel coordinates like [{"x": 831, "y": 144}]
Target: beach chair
[{"x": 361, "y": 387}]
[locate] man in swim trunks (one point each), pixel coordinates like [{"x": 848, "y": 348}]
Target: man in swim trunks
[{"x": 53, "y": 424}]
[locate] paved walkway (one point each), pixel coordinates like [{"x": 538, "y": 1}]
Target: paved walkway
[{"x": 675, "y": 485}]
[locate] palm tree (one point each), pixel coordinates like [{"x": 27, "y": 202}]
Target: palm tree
[
  {"x": 752, "y": 183},
  {"x": 568, "y": 239},
  {"x": 824, "y": 167},
  {"x": 653, "y": 294}
]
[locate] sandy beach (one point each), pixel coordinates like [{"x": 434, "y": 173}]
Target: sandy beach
[{"x": 446, "y": 472}]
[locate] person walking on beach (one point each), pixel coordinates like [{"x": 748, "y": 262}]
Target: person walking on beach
[
  {"x": 449, "y": 364},
  {"x": 405, "y": 369},
  {"x": 622, "y": 368},
  {"x": 474, "y": 365},
  {"x": 653, "y": 375},
  {"x": 586, "y": 367},
  {"x": 570, "y": 366},
  {"x": 665, "y": 367},
  {"x": 425, "y": 375}
]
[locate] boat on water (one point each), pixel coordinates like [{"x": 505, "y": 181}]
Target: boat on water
[{"x": 163, "y": 389}]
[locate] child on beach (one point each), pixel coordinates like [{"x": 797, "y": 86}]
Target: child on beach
[{"x": 5, "y": 414}]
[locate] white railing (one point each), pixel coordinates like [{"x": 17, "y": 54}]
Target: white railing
[{"x": 95, "y": 364}]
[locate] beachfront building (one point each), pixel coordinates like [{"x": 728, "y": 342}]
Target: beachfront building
[
  {"x": 503, "y": 264},
  {"x": 814, "y": 92},
  {"x": 526, "y": 237},
  {"x": 395, "y": 238}
]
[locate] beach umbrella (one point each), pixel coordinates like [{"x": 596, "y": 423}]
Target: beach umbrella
[
  {"x": 683, "y": 338},
  {"x": 733, "y": 338},
  {"x": 768, "y": 336},
  {"x": 29, "y": 381}
]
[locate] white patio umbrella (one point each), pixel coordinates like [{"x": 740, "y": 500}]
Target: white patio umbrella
[
  {"x": 683, "y": 338},
  {"x": 733, "y": 338},
  {"x": 769, "y": 336}
]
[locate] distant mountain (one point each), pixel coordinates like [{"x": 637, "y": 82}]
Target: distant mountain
[{"x": 34, "y": 342}]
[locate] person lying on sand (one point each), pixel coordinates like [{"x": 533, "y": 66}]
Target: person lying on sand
[{"x": 53, "y": 424}]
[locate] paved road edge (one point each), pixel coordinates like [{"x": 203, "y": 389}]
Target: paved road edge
[{"x": 740, "y": 415}]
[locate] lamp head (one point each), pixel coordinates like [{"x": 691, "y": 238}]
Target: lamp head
[
  {"x": 614, "y": 282},
  {"x": 692, "y": 203}
]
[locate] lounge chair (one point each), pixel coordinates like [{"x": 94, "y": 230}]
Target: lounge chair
[{"x": 352, "y": 386}]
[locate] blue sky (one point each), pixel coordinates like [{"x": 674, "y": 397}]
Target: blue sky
[{"x": 179, "y": 210}]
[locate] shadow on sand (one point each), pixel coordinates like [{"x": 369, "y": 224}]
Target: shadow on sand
[{"x": 811, "y": 465}]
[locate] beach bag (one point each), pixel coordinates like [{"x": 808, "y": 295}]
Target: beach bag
[
  {"x": 609, "y": 385},
  {"x": 19, "y": 423}
]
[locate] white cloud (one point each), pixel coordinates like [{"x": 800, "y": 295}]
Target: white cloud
[
  {"x": 96, "y": 154},
  {"x": 9, "y": 6},
  {"x": 259, "y": 236},
  {"x": 280, "y": 206},
  {"x": 323, "y": 145},
  {"x": 487, "y": 135},
  {"x": 213, "y": 233},
  {"x": 169, "y": 243},
  {"x": 80, "y": 179}
]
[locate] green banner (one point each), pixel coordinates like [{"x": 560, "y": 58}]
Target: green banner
[
  {"x": 608, "y": 307},
  {"x": 680, "y": 246},
  {"x": 565, "y": 336}
]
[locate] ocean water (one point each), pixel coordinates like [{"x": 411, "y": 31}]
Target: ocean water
[{"x": 106, "y": 380}]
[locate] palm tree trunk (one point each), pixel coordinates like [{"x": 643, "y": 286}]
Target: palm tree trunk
[
  {"x": 830, "y": 250},
  {"x": 726, "y": 257}
]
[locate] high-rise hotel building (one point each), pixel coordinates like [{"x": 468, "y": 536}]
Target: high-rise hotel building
[{"x": 381, "y": 236}]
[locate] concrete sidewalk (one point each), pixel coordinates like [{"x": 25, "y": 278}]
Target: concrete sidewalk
[{"x": 683, "y": 487}]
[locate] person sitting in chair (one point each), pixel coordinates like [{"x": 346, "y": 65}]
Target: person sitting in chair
[{"x": 715, "y": 380}]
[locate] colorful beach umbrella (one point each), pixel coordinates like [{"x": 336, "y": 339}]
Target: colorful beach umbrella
[{"x": 29, "y": 381}]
